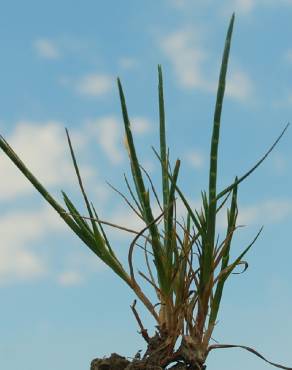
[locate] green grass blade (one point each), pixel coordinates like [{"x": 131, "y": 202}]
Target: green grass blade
[
  {"x": 211, "y": 220},
  {"x": 103, "y": 233},
  {"x": 95, "y": 229},
  {"x": 170, "y": 237},
  {"x": 163, "y": 149},
  {"x": 249, "y": 349},
  {"x": 232, "y": 215},
  {"x": 75, "y": 214}
]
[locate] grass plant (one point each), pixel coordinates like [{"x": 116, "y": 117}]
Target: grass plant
[{"x": 187, "y": 266}]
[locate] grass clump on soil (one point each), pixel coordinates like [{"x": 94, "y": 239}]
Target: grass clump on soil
[{"x": 187, "y": 266}]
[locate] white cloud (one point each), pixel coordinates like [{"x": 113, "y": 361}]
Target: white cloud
[
  {"x": 108, "y": 132},
  {"x": 69, "y": 278},
  {"x": 19, "y": 256},
  {"x": 128, "y": 62},
  {"x": 42, "y": 146},
  {"x": 47, "y": 49},
  {"x": 195, "y": 158},
  {"x": 20, "y": 260},
  {"x": 241, "y": 6},
  {"x": 94, "y": 85},
  {"x": 18, "y": 230},
  {"x": 187, "y": 57},
  {"x": 271, "y": 211},
  {"x": 263, "y": 213},
  {"x": 246, "y": 7},
  {"x": 239, "y": 86},
  {"x": 140, "y": 125}
]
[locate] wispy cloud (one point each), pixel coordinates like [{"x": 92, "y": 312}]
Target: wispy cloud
[
  {"x": 195, "y": 158},
  {"x": 243, "y": 7},
  {"x": 18, "y": 230},
  {"x": 246, "y": 7},
  {"x": 109, "y": 133},
  {"x": 70, "y": 278},
  {"x": 20, "y": 258},
  {"x": 262, "y": 213},
  {"x": 270, "y": 211},
  {"x": 94, "y": 85},
  {"x": 188, "y": 58},
  {"x": 47, "y": 49},
  {"x": 128, "y": 62},
  {"x": 141, "y": 125},
  {"x": 43, "y": 148},
  {"x": 239, "y": 85}
]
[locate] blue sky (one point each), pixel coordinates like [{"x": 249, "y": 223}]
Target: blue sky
[{"x": 60, "y": 306}]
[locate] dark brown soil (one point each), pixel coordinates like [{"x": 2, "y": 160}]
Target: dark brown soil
[{"x": 117, "y": 362}]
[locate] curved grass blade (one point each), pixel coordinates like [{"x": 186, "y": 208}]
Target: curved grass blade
[
  {"x": 228, "y": 270},
  {"x": 249, "y": 349},
  {"x": 229, "y": 188},
  {"x": 135, "y": 285}
]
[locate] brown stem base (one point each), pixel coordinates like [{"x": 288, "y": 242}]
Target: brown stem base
[{"x": 160, "y": 355}]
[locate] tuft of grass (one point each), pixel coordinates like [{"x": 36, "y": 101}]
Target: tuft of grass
[{"x": 189, "y": 266}]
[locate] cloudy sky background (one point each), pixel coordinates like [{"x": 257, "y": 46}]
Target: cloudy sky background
[{"x": 60, "y": 306}]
